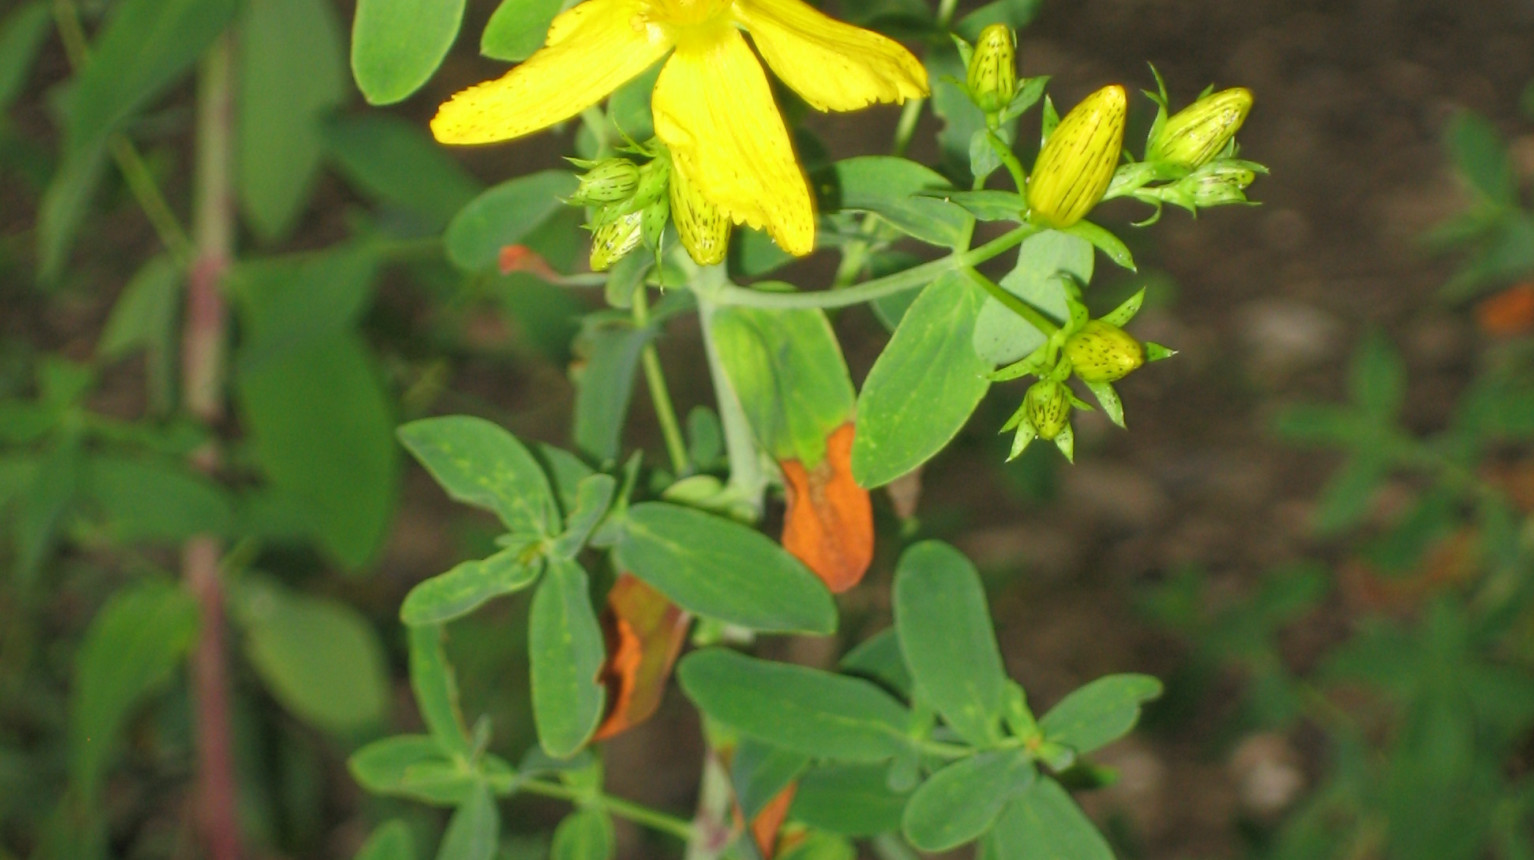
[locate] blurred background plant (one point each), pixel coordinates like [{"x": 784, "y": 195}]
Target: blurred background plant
[{"x": 1370, "y": 697}]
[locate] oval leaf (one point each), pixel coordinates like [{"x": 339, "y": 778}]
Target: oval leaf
[
  {"x": 1099, "y": 713},
  {"x": 923, "y": 387},
  {"x": 565, "y": 649},
  {"x": 794, "y": 707},
  {"x": 391, "y": 841},
  {"x": 398, "y": 44},
  {"x": 586, "y": 834},
  {"x": 1001, "y": 336},
  {"x": 482, "y": 465},
  {"x": 503, "y": 216},
  {"x": 412, "y": 766},
  {"x": 716, "y": 567},
  {"x": 474, "y": 831},
  {"x": 853, "y": 800},
  {"x": 517, "y": 29},
  {"x": 1044, "y": 824},
  {"x": 468, "y": 585},
  {"x": 946, "y": 638},
  {"x": 962, "y": 801},
  {"x": 890, "y": 186}
]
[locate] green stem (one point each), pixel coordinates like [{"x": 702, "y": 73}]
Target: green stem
[
  {"x": 712, "y": 830},
  {"x": 130, "y": 163},
  {"x": 746, "y": 477},
  {"x": 641, "y": 815},
  {"x": 660, "y": 395},
  {"x": 1014, "y": 167},
  {"x": 1031, "y": 315},
  {"x": 910, "y": 279}
]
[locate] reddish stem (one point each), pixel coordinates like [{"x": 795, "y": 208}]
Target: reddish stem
[{"x": 202, "y": 381}]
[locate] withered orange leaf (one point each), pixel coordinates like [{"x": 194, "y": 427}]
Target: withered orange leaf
[
  {"x": 644, "y": 633},
  {"x": 829, "y": 524},
  {"x": 1508, "y": 313},
  {"x": 767, "y": 823}
]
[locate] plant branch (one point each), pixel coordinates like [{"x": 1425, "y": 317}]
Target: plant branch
[
  {"x": 202, "y": 368},
  {"x": 746, "y": 477},
  {"x": 910, "y": 279},
  {"x": 660, "y": 395},
  {"x": 641, "y": 815},
  {"x": 1030, "y": 314}
]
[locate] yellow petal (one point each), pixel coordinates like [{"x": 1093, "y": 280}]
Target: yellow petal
[
  {"x": 832, "y": 65},
  {"x": 592, "y": 49},
  {"x": 715, "y": 113}
]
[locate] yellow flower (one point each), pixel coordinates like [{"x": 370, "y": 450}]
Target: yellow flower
[{"x": 712, "y": 105}]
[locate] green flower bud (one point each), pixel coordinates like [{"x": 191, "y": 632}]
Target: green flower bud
[
  {"x": 1077, "y": 162},
  {"x": 1224, "y": 184},
  {"x": 1047, "y": 406},
  {"x": 992, "y": 77},
  {"x": 1200, "y": 131},
  {"x": 609, "y": 181},
  {"x": 1103, "y": 352},
  {"x": 614, "y": 239},
  {"x": 702, "y": 227}
]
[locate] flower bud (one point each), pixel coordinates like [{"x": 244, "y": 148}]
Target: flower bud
[
  {"x": 702, "y": 227},
  {"x": 1103, "y": 352},
  {"x": 1077, "y": 162},
  {"x": 608, "y": 181},
  {"x": 614, "y": 239},
  {"x": 992, "y": 77},
  {"x": 1198, "y": 132},
  {"x": 1047, "y": 406},
  {"x": 1226, "y": 184}
]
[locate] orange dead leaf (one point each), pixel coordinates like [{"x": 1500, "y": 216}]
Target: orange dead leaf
[
  {"x": 829, "y": 524},
  {"x": 520, "y": 258},
  {"x": 767, "y": 823},
  {"x": 644, "y": 633},
  {"x": 1508, "y": 313}
]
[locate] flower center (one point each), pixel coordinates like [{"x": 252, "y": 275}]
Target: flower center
[{"x": 682, "y": 18}]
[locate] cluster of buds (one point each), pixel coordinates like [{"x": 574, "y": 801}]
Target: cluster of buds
[
  {"x": 1098, "y": 352},
  {"x": 1191, "y": 154},
  {"x": 631, "y": 203}
]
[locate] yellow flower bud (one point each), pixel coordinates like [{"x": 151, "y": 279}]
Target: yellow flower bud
[
  {"x": 1047, "y": 406},
  {"x": 614, "y": 239},
  {"x": 1077, "y": 162},
  {"x": 702, "y": 227},
  {"x": 608, "y": 181},
  {"x": 1103, "y": 352},
  {"x": 992, "y": 77},
  {"x": 1198, "y": 132}
]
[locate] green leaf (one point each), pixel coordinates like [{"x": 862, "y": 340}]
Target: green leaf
[
  {"x": 604, "y": 383},
  {"x": 990, "y": 205},
  {"x": 1319, "y": 424},
  {"x": 586, "y": 834},
  {"x": 129, "y": 651},
  {"x": 566, "y": 649},
  {"x": 760, "y": 771},
  {"x": 320, "y": 427},
  {"x": 468, "y": 585},
  {"x": 962, "y": 801},
  {"x": 517, "y": 29},
  {"x": 797, "y": 708},
  {"x": 878, "y": 658},
  {"x": 480, "y": 464},
  {"x": 396, "y": 163},
  {"x": 503, "y": 216},
  {"x": 144, "y": 499},
  {"x": 1001, "y": 336},
  {"x": 718, "y": 568},
  {"x": 1044, "y": 824},
  {"x": 63, "y": 206},
  {"x": 22, "y": 33},
  {"x": 398, "y": 44},
  {"x": 592, "y": 498},
  {"x": 289, "y": 302},
  {"x": 924, "y": 385},
  {"x": 390, "y": 841},
  {"x": 320, "y": 658},
  {"x": 291, "y": 73},
  {"x": 818, "y": 846},
  {"x": 787, "y": 369},
  {"x": 474, "y": 831},
  {"x": 945, "y": 635},
  {"x": 144, "y": 317},
  {"x": 1099, "y": 713},
  {"x": 890, "y": 187},
  {"x": 853, "y": 800},
  {"x": 145, "y": 46},
  {"x": 1104, "y": 240},
  {"x": 45, "y": 507},
  {"x": 412, "y": 766},
  {"x": 1347, "y": 495},
  {"x": 436, "y": 691},
  {"x": 1480, "y": 154},
  {"x": 1377, "y": 378}
]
